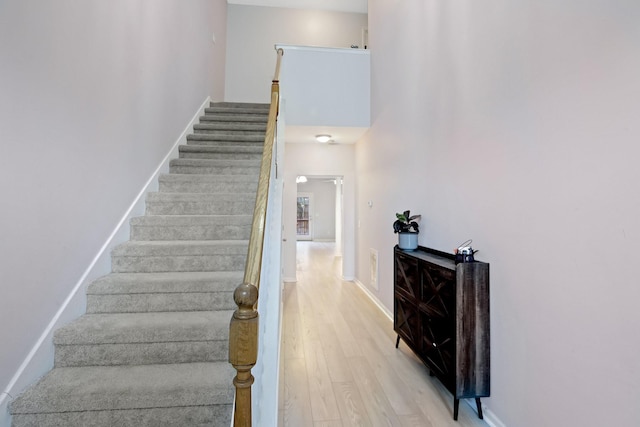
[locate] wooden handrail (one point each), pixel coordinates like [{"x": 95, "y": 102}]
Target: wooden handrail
[
  {"x": 276, "y": 75},
  {"x": 243, "y": 329}
]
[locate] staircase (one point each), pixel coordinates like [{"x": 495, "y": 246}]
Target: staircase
[{"x": 152, "y": 348}]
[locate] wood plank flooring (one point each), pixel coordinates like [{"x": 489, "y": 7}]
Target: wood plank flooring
[{"x": 339, "y": 364}]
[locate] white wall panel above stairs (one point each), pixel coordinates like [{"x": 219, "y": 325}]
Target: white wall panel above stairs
[{"x": 326, "y": 86}]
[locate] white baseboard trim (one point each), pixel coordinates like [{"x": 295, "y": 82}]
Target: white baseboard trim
[
  {"x": 489, "y": 417},
  {"x": 374, "y": 299},
  {"x": 40, "y": 359}
]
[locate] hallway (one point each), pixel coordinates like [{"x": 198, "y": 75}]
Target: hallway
[{"x": 339, "y": 364}]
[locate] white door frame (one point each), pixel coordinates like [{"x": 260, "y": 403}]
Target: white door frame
[{"x": 348, "y": 222}]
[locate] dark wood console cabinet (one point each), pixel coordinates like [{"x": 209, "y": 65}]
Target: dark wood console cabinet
[{"x": 441, "y": 310}]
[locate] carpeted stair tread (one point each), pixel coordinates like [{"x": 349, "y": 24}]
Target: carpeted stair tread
[
  {"x": 245, "y": 105},
  {"x": 220, "y": 152},
  {"x": 222, "y": 127},
  {"x": 108, "y": 339},
  {"x": 234, "y": 118},
  {"x": 249, "y": 149},
  {"x": 163, "y": 292},
  {"x": 159, "y": 196},
  {"x": 187, "y": 220},
  {"x": 206, "y": 183},
  {"x": 199, "y": 203},
  {"x": 187, "y": 255},
  {"x": 258, "y": 112},
  {"x": 191, "y": 227},
  {"x": 213, "y": 166},
  {"x": 171, "y": 282},
  {"x": 214, "y": 162},
  {"x": 112, "y": 328},
  {"x": 180, "y": 248},
  {"x": 128, "y": 387},
  {"x": 225, "y": 138}
]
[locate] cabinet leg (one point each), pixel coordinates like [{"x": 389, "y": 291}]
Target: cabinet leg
[
  {"x": 456, "y": 404},
  {"x": 479, "y": 406},
  {"x": 397, "y": 341}
]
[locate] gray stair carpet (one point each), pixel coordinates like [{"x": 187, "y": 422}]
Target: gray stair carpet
[{"x": 152, "y": 348}]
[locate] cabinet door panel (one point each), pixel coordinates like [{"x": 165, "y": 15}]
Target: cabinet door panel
[
  {"x": 438, "y": 347},
  {"x": 406, "y": 275},
  {"x": 406, "y": 321},
  {"x": 438, "y": 291}
]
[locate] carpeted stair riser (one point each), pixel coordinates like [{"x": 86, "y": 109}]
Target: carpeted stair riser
[
  {"x": 199, "y": 204},
  {"x": 215, "y": 167},
  {"x": 143, "y": 338},
  {"x": 196, "y": 227},
  {"x": 153, "y": 292},
  {"x": 129, "y": 396},
  {"x": 194, "y": 183}
]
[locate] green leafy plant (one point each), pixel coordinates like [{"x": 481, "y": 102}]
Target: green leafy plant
[{"x": 405, "y": 223}]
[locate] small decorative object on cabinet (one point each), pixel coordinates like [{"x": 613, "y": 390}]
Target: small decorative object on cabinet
[
  {"x": 407, "y": 230},
  {"x": 441, "y": 310}
]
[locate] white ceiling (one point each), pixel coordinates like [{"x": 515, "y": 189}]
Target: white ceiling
[{"x": 356, "y": 6}]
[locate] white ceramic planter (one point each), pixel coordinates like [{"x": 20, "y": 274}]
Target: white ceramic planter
[{"x": 408, "y": 241}]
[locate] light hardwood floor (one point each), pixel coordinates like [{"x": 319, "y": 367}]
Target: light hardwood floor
[{"x": 339, "y": 364}]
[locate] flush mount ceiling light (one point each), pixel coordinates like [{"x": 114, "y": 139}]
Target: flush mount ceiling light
[
  {"x": 301, "y": 179},
  {"x": 323, "y": 138}
]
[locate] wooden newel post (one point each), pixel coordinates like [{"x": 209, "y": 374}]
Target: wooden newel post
[{"x": 243, "y": 349}]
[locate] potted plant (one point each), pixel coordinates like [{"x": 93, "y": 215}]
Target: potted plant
[{"x": 407, "y": 229}]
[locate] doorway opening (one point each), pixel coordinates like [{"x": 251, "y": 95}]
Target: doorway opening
[
  {"x": 303, "y": 218},
  {"x": 319, "y": 210}
]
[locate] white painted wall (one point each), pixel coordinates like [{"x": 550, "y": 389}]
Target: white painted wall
[
  {"x": 318, "y": 159},
  {"x": 94, "y": 95},
  {"x": 516, "y": 124},
  {"x": 326, "y": 87},
  {"x": 254, "y": 30},
  {"x": 324, "y": 207}
]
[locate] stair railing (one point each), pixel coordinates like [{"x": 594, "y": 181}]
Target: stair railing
[{"x": 243, "y": 329}]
